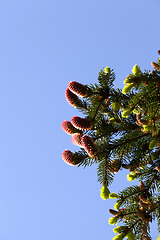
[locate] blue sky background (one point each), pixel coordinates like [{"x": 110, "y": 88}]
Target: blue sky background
[{"x": 44, "y": 44}]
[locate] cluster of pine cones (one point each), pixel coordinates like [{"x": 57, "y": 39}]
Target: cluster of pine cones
[{"x": 77, "y": 125}]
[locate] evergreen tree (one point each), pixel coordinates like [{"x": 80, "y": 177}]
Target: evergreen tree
[{"x": 121, "y": 130}]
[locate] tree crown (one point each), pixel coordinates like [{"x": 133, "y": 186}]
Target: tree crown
[{"x": 121, "y": 130}]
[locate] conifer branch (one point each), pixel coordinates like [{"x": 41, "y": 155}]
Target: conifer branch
[
  {"x": 122, "y": 97},
  {"x": 128, "y": 141},
  {"x": 153, "y": 178},
  {"x": 123, "y": 198},
  {"x": 105, "y": 175},
  {"x": 142, "y": 98},
  {"x": 98, "y": 108},
  {"x": 123, "y": 139}
]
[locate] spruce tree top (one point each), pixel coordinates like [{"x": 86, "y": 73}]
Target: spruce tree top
[{"x": 121, "y": 130}]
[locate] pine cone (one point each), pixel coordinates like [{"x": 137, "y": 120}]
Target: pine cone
[
  {"x": 144, "y": 199},
  {"x": 155, "y": 65},
  {"x": 76, "y": 139},
  {"x": 89, "y": 146},
  {"x": 81, "y": 123},
  {"x": 141, "y": 122},
  {"x": 126, "y": 166},
  {"x": 142, "y": 186},
  {"x": 142, "y": 215},
  {"x": 158, "y": 168},
  {"x": 71, "y": 158},
  {"x": 79, "y": 89},
  {"x": 68, "y": 128},
  {"x": 115, "y": 165},
  {"x": 133, "y": 166},
  {"x": 72, "y": 99},
  {"x": 143, "y": 205},
  {"x": 139, "y": 213},
  {"x": 114, "y": 212}
]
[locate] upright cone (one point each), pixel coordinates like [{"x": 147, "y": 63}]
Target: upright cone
[
  {"x": 79, "y": 89},
  {"x": 68, "y": 128},
  {"x": 76, "y": 139},
  {"x": 89, "y": 146},
  {"x": 71, "y": 158},
  {"x": 81, "y": 123}
]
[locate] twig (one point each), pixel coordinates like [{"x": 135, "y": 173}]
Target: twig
[{"x": 129, "y": 140}]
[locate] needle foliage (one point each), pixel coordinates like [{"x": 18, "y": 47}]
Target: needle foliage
[{"x": 121, "y": 130}]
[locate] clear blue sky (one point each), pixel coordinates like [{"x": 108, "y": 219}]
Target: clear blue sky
[{"x": 44, "y": 44}]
